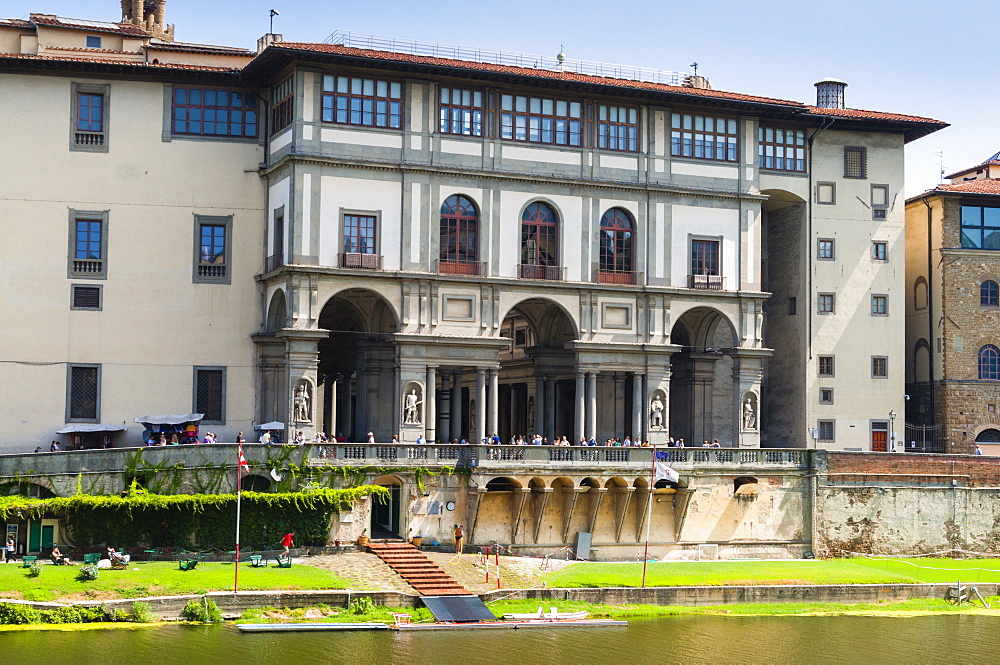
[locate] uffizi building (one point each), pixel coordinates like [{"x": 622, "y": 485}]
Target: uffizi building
[{"x": 353, "y": 238}]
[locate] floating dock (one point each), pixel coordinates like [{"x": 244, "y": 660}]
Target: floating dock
[
  {"x": 510, "y": 625},
  {"x": 298, "y": 627}
]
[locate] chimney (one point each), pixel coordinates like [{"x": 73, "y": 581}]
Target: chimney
[
  {"x": 267, "y": 40},
  {"x": 830, "y": 93}
]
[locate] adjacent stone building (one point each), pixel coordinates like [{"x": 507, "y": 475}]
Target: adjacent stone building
[
  {"x": 953, "y": 308},
  {"x": 370, "y": 242}
]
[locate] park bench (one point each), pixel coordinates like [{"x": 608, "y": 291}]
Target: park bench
[{"x": 27, "y": 560}]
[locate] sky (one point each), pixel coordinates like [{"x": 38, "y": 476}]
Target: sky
[{"x": 914, "y": 57}]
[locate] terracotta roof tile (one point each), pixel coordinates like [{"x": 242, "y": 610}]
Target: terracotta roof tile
[
  {"x": 981, "y": 186},
  {"x": 990, "y": 162},
  {"x": 90, "y": 26},
  {"x": 84, "y": 49},
  {"x": 336, "y": 49},
  {"x": 14, "y": 23},
  {"x": 200, "y": 48},
  {"x": 105, "y": 61},
  {"x": 868, "y": 115}
]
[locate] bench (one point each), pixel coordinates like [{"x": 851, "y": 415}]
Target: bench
[
  {"x": 283, "y": 562},
  {"x": 27, "y": 560}
]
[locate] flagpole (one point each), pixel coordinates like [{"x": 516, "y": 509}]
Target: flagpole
[
  {"x": 239, "y": 479},
  {"x": 649, "y": 516}
]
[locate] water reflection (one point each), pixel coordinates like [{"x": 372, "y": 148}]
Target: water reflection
[{"x": 688, "y": 640}]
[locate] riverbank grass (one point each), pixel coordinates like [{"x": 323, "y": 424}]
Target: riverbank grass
[
  {"x": 737, "y": 573},
  {"x": 159, "y": 578}
]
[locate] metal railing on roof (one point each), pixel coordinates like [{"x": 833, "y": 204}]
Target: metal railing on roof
[{"x": 490, "y": 56}]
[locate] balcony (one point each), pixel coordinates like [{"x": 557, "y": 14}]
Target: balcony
[
  {"x": 88, "y": 266},
  {"x": 554, "y": 273},
  {"x": 475, "y": 268},
  {"x": 210, "y": 271},
  {"x": 88, "y": 138},
  {"x": 360, "y": 261},
  {"x": 627, "y": 277},
  {"x": 274, "y": 262},
  {"x": 707, "y": 282}
]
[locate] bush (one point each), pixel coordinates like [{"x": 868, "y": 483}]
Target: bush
[
  {"x": 116, "y": 616},
  {"x": 11, "y": 614},
  {"x": 35, "y": 569},
  {"x": 141, "y": 613},
  {"x": 87, "y": 573},
  {"x": 204, "y": 610},
  {"x": 362, "y": 605},
  {"x": 73, "y": 614}
]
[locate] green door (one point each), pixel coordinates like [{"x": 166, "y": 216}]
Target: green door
[
  {"x": 34, "y": 535},
  {"x": 47, "y": 532}
]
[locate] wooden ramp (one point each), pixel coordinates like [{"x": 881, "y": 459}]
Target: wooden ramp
[{"x": 418, "y": 571}]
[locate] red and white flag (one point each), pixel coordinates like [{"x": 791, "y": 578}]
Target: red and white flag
[
  {"x": 243, "y": 461},
  {"x": 664, "y": 472}
]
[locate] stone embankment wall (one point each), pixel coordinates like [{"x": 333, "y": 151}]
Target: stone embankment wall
[{"x": 907, "y": 503}]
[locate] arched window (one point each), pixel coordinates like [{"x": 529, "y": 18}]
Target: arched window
[
  {"x": 539, "y": 242},
  {"x": 459, "y": 236},
  {"x": 989, "y": 294},
  {"x": 616, "y": 247},
  {"x": 920, "y": 293},
  {"x": 989, "y": 363}
]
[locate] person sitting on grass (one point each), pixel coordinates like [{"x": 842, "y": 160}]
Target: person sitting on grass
[{"x": 58, "y": 558}]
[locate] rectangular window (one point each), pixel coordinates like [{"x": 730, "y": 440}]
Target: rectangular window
[
  {"x": 277, "y": 257},
  {"x": 792, "y": 306},
  {"x": 85, "y": 297},
  {"x": 880, "y": 305},
  {"x": 282, "y": 105},
  {"x": 89, "y": 131},
  {"x": 460, "y": 112},
  {"x": 826, "y": 395},
  {"x": 781, "y": 149},
  {"x": 93, "y": 41},
  {"x": 880, "y": 201},
  {"x": 210, "y": 394},
  {"x": 855, "y": 162},
  {"x": 540, "y": 120},
  {"x": 360, "y": 101},
  {"x": 212, "y": 112},
  {"x": 880, "y": 367},
  {"x": 703, "y": 137},
  {"x": 826, "y": 365},
  {"x": 83, "y": 393},
  {"x": 360, "y": 242},
  {"x": 617, "y": 128},
  {"x": 826, "y": 193},
  {"x": 824, "y": 249},
  {"x": 825, "y": 303},
  {"x": 212, "y": 249},
  {"x": 704, "y": 257},
  {"x": 880, "y": 250},
  {"x": 88, "y": 244},
  {"x": 825, "y": 430},
  {"x": 880, "y": 436},
  {"x": 980, "y": 227}
]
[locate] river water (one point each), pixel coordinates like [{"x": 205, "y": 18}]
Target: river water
[{"x": 689, "y": 639}]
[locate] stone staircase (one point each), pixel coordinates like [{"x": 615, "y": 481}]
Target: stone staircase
[{"x": 418, "y": 571}]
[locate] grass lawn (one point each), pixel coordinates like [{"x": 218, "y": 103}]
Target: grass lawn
[
  {"x": 159, "y": 578},
  {"x": 834, "y": 571}
]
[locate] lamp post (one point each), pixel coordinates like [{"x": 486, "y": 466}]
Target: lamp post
[{"x": 892, "y": 431}]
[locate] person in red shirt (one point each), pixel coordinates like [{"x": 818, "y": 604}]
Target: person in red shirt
[{"x": 286, "y": 542}]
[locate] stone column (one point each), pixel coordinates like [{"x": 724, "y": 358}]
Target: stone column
[
  {"x": 361, "y": 406},
  {"x": 637, "y": 407},
  {"x": 346, "y": 415},
  {"x": 550, "y": 409},
  {"x": 619, "y": 383},
  {"x": 747, "y": 372},
  {"x": 592, "y": 404},
  {"x": 493, "y": 422},
  {"x": 539, "y": 423},
  {"x": 456, "y": 405},
  {"x": 430, "y": 403},
  {"x": 581, "y": 408},
  {"x": 302, "y": 361},
  {"x": 480, "y": 423}
]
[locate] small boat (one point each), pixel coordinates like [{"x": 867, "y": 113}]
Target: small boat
[
  {"x": 553, "y": 615},
  {"x": 294, "y": 627}
]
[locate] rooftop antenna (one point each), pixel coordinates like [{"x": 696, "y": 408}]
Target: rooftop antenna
[
  {"x": 940, "y": 155},
  {"x": 694, "y": 66},
  {"x": 274, "y": 12},
  {"x": 561, "y": 56}
]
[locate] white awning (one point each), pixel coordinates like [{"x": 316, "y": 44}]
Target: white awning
[
  {"x": 90, "y": 427},
  {"x": 170, "y": 420},
  {"x": 274, "y": 424}
]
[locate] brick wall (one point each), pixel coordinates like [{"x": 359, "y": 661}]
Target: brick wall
[{"x": 885, "y": 469}]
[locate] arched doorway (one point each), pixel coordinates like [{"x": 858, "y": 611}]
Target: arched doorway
[
  {"x": 357, "y": 366},
  {"x": 988, "y": 436},
  {"x": 386, "y": 512},
  {"x": 537, "y": 387},
  {"x": 701, "y": 382}
]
